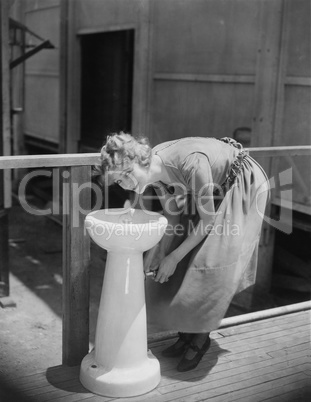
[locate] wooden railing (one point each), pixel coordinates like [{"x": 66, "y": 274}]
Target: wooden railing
[
  {"x": 88, "y": 159},
  {"x": 76, "y": 245}
]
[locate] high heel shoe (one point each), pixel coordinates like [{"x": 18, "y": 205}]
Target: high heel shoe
[
  {"x": 179, "y": 347},
  {"x": 189, "y": 364}
]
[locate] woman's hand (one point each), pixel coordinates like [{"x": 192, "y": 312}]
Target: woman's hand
[
  {"x": 167, "y": 268},
  {"x": 152, "y": 258}
]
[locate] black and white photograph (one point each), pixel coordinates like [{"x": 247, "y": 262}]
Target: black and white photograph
[{"x": 155, "y": 200}]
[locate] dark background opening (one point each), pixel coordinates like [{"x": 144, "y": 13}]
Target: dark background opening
[{"x": 106, "y": 86}]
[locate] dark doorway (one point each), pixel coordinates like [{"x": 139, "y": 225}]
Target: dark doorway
[{"x": 107, "y": 81}]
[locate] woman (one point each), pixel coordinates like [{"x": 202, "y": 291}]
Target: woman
[{"x": 213, "y": 195}]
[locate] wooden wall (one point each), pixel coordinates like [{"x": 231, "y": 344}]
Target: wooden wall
[
  {"x": 293, "y": 115},
  {"x": 203, "y": 67},
  {"x": 41, "y": 117},
  {"x": 5, "y": 149},
  {"x": 207, "y": 67}
]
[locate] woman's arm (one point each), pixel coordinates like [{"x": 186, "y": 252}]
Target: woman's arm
[
  {"x": 169, "y": 264},
  {"x": 172, "y": 214},
  {"x": 196, "y": 171},
  {"x": 198, "y": 234},
  {"x": 154, "y": 256}
]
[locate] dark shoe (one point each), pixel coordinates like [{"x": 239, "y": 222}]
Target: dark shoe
[
  {"x": 179, "y": 347},
  {"x": 190, "y": 364}
]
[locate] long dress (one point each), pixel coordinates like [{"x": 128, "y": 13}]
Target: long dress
[{"x": 198, "y": 294}]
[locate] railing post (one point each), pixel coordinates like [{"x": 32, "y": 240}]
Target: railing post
[
  {"x": 76, "y": 256},
  {"x": 4, "y": 147}
]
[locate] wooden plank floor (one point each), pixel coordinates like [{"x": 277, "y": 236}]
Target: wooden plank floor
[{"x": 267, "y": 360}]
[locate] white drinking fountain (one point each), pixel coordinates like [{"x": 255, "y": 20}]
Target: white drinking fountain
[{"x": 121, "y": 365}]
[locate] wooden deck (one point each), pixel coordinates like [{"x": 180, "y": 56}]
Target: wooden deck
[{"x": 267, "y": 360}]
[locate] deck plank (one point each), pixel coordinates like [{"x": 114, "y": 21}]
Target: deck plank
[
  {"x": 298, "y": 390},
  {"x": 240, "y": 373},
  {"x": 258, "y": 361},
  {"x": 299, "y": 394},
  {"x": 260, "y": 391},
  {"x": 225, "y": 369}
]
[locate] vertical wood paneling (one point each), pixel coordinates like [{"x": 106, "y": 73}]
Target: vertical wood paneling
[
  {"x": 141, "y": 71},
  {"x": 6, "y": 103},
  {"x": 299, "y": 39},
  {"x": 185, "y": 108},
  {"x": 108, "y": 13},
  {"x": 267, "y": 69},
  {"x": 41, "y": 115},
  {"x": 4, "y": 146},
  {"x": 17, "y": 85},
  {"x": 73, "y": 81},
  {"x": 293, "y": 102},
  {"x": 268, "y": 54},
  {"x": 199, "y": 36},
  {"x": 76, "y": 255},
  {"x": 206, "y": 53},
  {"x": 63, "y": 76}
]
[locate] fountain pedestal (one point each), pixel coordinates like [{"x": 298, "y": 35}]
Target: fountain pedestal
[{"x": 120, "y": 365}]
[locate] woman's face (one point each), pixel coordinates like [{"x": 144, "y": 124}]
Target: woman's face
[{"x": 134, "y": 179}]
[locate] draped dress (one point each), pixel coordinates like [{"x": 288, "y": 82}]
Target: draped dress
[{"x": 198, "y": 294}]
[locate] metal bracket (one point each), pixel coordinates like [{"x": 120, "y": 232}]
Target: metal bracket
[{"x": 44, "y": 45}]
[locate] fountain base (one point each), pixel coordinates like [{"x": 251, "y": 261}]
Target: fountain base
[{"x": 118, "y": 382}]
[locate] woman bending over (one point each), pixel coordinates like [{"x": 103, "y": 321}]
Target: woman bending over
[{"x": 214, "y": 196}]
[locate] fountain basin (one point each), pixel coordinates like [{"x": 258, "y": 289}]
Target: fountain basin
[{"x": 125, "y": 228}]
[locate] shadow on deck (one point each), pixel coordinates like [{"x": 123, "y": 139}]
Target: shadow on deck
[{"x": 267, "y": 360}]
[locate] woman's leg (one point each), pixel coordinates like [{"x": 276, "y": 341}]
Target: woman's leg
[
  {"x": 196, "y": 349},
  {"x": 180, "y": 346}
]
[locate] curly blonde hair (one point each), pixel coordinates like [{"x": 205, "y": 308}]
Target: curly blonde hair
[{"x": 120, "y": 151}]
